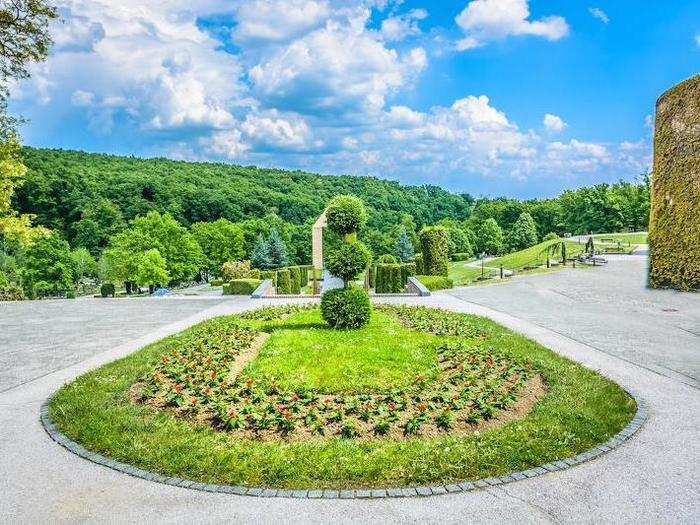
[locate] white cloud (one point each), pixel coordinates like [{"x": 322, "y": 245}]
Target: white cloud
[
  {"x": 277, "y": 20},
  {"x": 553, "y": 123},
  {"x": 486, "y": 20},
  {"x": 82, "y": 98},
  {"x": 275, "y": 131},
  {"x": 597, "y": 12},
  {"x": 399, "y": 27}
]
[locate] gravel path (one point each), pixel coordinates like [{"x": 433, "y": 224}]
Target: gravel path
[{"x": 653, "y": 478}]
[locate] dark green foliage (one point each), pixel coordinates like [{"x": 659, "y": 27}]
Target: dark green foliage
[
  {"x": 284, "y": 282},
  {"x": 435, "y": 282},
  {"x": 348, "y": 261},
  {"x": 418, "y": 261},
  {"x": 303, "y": 274},
  {"x": 524, "y": 233},
  {"x": 241, "y": 286},
  {"x": 461, "y": 256},
  {"x": 220, "y": 241},
  {"x": 433, "y": 240},
  {"x": 276, "y": 250},
  {"x": 404, "y": 246},
  {"x": 294, "y": 279},
  {"x": 346, "y": 308},
  {"x": 48, "y": 267},
  {"x": 392, "y": 278},
  {"x": 107, "y": 290},
  {"x": 345, "y": 214}
]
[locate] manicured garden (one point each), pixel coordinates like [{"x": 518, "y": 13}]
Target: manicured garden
[{"x": 276, "y": 397}]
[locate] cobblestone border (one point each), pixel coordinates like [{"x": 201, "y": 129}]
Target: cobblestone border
[{"x": 392, "y": 492}]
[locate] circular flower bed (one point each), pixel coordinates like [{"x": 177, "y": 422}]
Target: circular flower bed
[{"x": 274, "y": 397}]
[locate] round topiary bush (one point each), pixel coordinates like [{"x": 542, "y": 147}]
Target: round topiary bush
[
  {"x": 345, "y": 214},
  {"x": 348, "y": 261},
  {"x": 346, "y": 308}
]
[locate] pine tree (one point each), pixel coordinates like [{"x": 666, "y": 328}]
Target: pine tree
[
  {"x": 404, "y": 247},
  {"x": 260, "y": 257},
  {"x": 276, "y": 250}
]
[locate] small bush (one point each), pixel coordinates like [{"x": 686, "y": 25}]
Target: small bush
[
  {"x": 435, "y": 282},
  {"x": 434, "y": 246},
  {"x": 107, "y": 290},
  {"x": 349, "y": 260},
  {"x": 294, "y": 279},
  {"x": 462, "y": 256},
  {"x": 241, "y": 286},
  {"x": 346, "y": 308},
  {"x": 70, "y": 294},
  {"x": 284, "y": 282},
  {"x": 216, "y": 282},
  {"x": 11, "y": 292},
  {"x": 235, "y": 270},
  {"x": 551, "y": 236},
  {"x": 345, "y": 214}
]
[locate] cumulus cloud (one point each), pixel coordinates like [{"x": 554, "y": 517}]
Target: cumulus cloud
[
  {"x": 277, "y": 20},
  {"x": 597, "y": 12},
  {"x": 399, "y": 27},
  {"x": 486, "y": 20},
  {"x": 553, "y": 123}
]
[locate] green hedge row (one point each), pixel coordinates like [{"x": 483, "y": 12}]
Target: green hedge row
[
  {"x": 241, "y": 286},
  {"x": 435, "y": 282},
  {"x": 392, "y": 278},
  {"x": 465, "y": 256},
  {"x": 434, "y": 247},
  {"x": 290, "y": 280}
]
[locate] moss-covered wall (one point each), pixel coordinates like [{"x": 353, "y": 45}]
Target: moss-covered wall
[{"x": 674, "y": 226}]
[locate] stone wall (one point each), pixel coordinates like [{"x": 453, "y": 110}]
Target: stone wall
[{"x": 674, "y": 226}]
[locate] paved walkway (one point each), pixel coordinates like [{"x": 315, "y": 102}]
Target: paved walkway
[{"x": 653, "y": 478}]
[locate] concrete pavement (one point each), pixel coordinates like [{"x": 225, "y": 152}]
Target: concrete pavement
[{"x": 653, "y": 478}]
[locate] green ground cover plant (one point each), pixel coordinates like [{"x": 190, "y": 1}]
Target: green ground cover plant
[{"x": 425, "y": 409}]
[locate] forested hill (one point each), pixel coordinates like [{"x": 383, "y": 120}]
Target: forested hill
[{"x": 60, "y": 185}]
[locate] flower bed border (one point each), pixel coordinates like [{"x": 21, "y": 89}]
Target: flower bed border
[{"x": 374, "y": 493}]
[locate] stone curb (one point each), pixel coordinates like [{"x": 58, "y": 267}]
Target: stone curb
[{"x": 373, "y": 493}]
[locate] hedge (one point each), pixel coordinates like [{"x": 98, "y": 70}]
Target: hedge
[
  {"x": 462, "y": 256},
  {"x": 284, "y": 282},
  {"x": 107, "y": 290},
  {"x": 435, "y": 282},
  {"x": 434, "y": 246},
  {"x": 11, "y": 292},
  {"x": 392, "y": 278},
  {"x": 241, "y": 286},
  {"x": 216, "y": 282},
  {"x": 674, "y": 224},
  {"x": 418, "y": 260},
  {"x": 294, "y": 279},
  {"x": 269, "y": 274}
]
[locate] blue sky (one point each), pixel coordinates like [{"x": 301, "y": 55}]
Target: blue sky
[{"x": 493, "y": 97}]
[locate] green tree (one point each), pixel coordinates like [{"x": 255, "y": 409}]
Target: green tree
[
  {"x": 220, "y": 241},
  {"x": 100, "y": 219},
  {"x": 48, "y": 266},
  {"x": 260, "y": 257},
  {"x": 403, "y": 247},
  {"x": 276, "y": 250},
  {"x": 84, "y": 264},
  {"x": 151, "y": 269},
  {"x": 490, "y": 238},
  {"x": 524, "y": 233}
]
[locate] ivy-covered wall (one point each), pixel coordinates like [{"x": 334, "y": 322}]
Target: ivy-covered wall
[{"x": 674, "y": 225}]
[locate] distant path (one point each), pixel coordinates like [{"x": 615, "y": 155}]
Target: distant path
[
  {"x": 604, "y": 318},
  {"x": 477, "y": 264}
]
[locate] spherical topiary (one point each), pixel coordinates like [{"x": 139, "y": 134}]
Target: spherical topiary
[
  {"x": 348, "y": 261},
  {"x": 345, "y": 214},
  {"x": 344, "y": 308}
]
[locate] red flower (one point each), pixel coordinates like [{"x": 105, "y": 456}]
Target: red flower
[
  {"x": 178, "y": 388},
  {"x": 391, "y": 406}
]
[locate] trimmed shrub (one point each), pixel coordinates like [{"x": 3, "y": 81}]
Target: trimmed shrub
[
  {"x": 349, "y": 260},
  {"x": 216, "y": 282},
  {"x": 284, "y": 282},
  {"x": 269, "y": 274},
  {"x": 346, "y": 308},
  {"x": 407, "y": 269},
  {"x": 462, "y": 256},
  {"x": 294, "y": 279},
  {"x": 418, "y": 261},
  {"x": 387, "y": 259},
  {"x": 107, "y": 290},
  {"x": 241, "y": 286},
  {"x": 305, "y": 274},
  {"x": 392, "y": 278},
  {"x": 435, "y": 282},
  {"x": 434, "y": 246},
  {"x": 11, "y": 292},
  {"x": 345, "y": 214},
  {"x": 235, "y": 270}
]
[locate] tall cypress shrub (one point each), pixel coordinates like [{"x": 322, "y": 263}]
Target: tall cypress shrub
[{"x": 434, "y": 246}]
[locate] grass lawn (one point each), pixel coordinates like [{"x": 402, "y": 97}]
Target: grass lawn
[
  {"x": 578, "y": 410},
  {"x": 534, "y": 255},
  {"x": 624, "y": 238},
  {"x": 462, "y": 274},
  {"x": 306, "y": 354}
]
